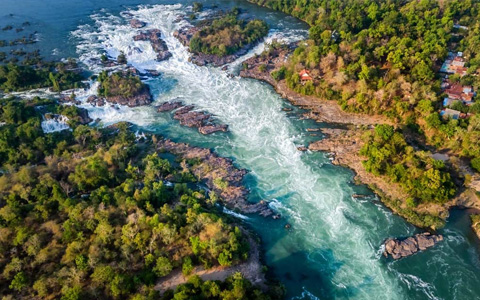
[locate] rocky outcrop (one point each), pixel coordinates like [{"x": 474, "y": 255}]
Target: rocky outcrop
[
  {"x": 195, "y": 119},
  {"x": 219, "y": 174},
  {"x": 192, "y": 118},
  {"x": 137, "y": 23},
  {"x": 169, "y": 106},
  {"x": 83, "y": 117},
  {"x": 184, "y": 35},
  {"x": 96, "y": 101},
  {"x": 154, "y": 36},
  {"x": 409, "y": 246},
  {"x": 142, "y": 97},
  {"x": 208, "y": 129},
  {"x": 68, "y": 99}
]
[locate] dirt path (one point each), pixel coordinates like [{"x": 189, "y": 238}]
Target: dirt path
[{"x": 251, "y": 270}]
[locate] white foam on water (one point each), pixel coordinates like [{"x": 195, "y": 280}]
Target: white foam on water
[
  {"x": 262, "y": 140},
  {"x": 306, "y": 295},
  {"x": 232, "y": 213},
  {"x": 57, "y": 123}
]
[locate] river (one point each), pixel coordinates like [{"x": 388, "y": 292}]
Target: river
[{"x": 333, "y": 248}]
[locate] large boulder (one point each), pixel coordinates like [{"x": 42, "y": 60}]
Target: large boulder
[
  {"x": 83, "y": 116},
  {"x": 208, "y": 129},
  {"x": 402, "y": 248},
  {"x": 142, "y": 97},
  {"x": 169, "y": 106}
]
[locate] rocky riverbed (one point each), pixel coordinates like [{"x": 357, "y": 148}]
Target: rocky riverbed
[
  {"x": 154, "y": 36},
  {"x": 220, "y": 176}
]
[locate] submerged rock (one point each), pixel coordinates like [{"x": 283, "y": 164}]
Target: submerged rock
[
  {"x": 137, "y": 23},
  {"x": 152, "y": 73},
  {"x": 402, "y": 248}
]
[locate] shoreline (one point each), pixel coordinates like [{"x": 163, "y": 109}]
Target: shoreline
[
  {"x": 318, "y": 109},
  {"x": 346, "y": 143}
]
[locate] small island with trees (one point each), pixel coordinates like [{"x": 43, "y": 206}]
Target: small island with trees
[{"x": 221, "y": 40}]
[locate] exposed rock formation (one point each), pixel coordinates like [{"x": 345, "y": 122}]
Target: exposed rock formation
[
  {"x": 68, "y": 99},
  {"x": 169, "y": 106},
  {"x": 154, "y": 36},
  {"x": 83, "y": 117},
  {"x": 196, "y": 119},
  {"x": 409, "y": 246},
  {"x": 143, "y": 97},
  {"x": 219, "y": 174},
  {"x": 95, "y": 101},
  {"x": 213, "y": 128}
]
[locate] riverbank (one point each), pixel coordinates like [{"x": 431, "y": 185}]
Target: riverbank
[
  {"x": 320, "y": 110},
  {"x": 346, "y": 144},
  {"x": 219, "y": 174}
]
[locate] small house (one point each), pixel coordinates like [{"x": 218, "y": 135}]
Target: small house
[
  {"x": 454, "y": 64},
  {"x": 448, "y": 113},
  {"x": 459, "y": 92},
  {"x": 305, "y": 75}
]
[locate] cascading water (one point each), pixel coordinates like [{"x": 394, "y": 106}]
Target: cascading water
[
  {"x": 55, "y": 123},
  {"x": 332, "y": 250}
]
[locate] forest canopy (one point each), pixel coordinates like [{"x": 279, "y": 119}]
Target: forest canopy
[{"x": 93, "y": 213}]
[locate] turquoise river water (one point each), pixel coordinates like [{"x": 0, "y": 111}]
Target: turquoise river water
[{"x": 333, "y": 249}]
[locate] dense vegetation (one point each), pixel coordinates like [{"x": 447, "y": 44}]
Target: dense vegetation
[
  {"x": 88, "y": 215},
  {"x": 235, "y": 287},
  {"x": 383, "y": 57},
  {"x": 22, "y": 140},
  {"x": 423, "y": 178},
  {"x": 123, "y": 84},
  {"x": 56, "y": 76},
  {"x": 227, "y": 35},
  {"x": 376, "y": 56}
]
